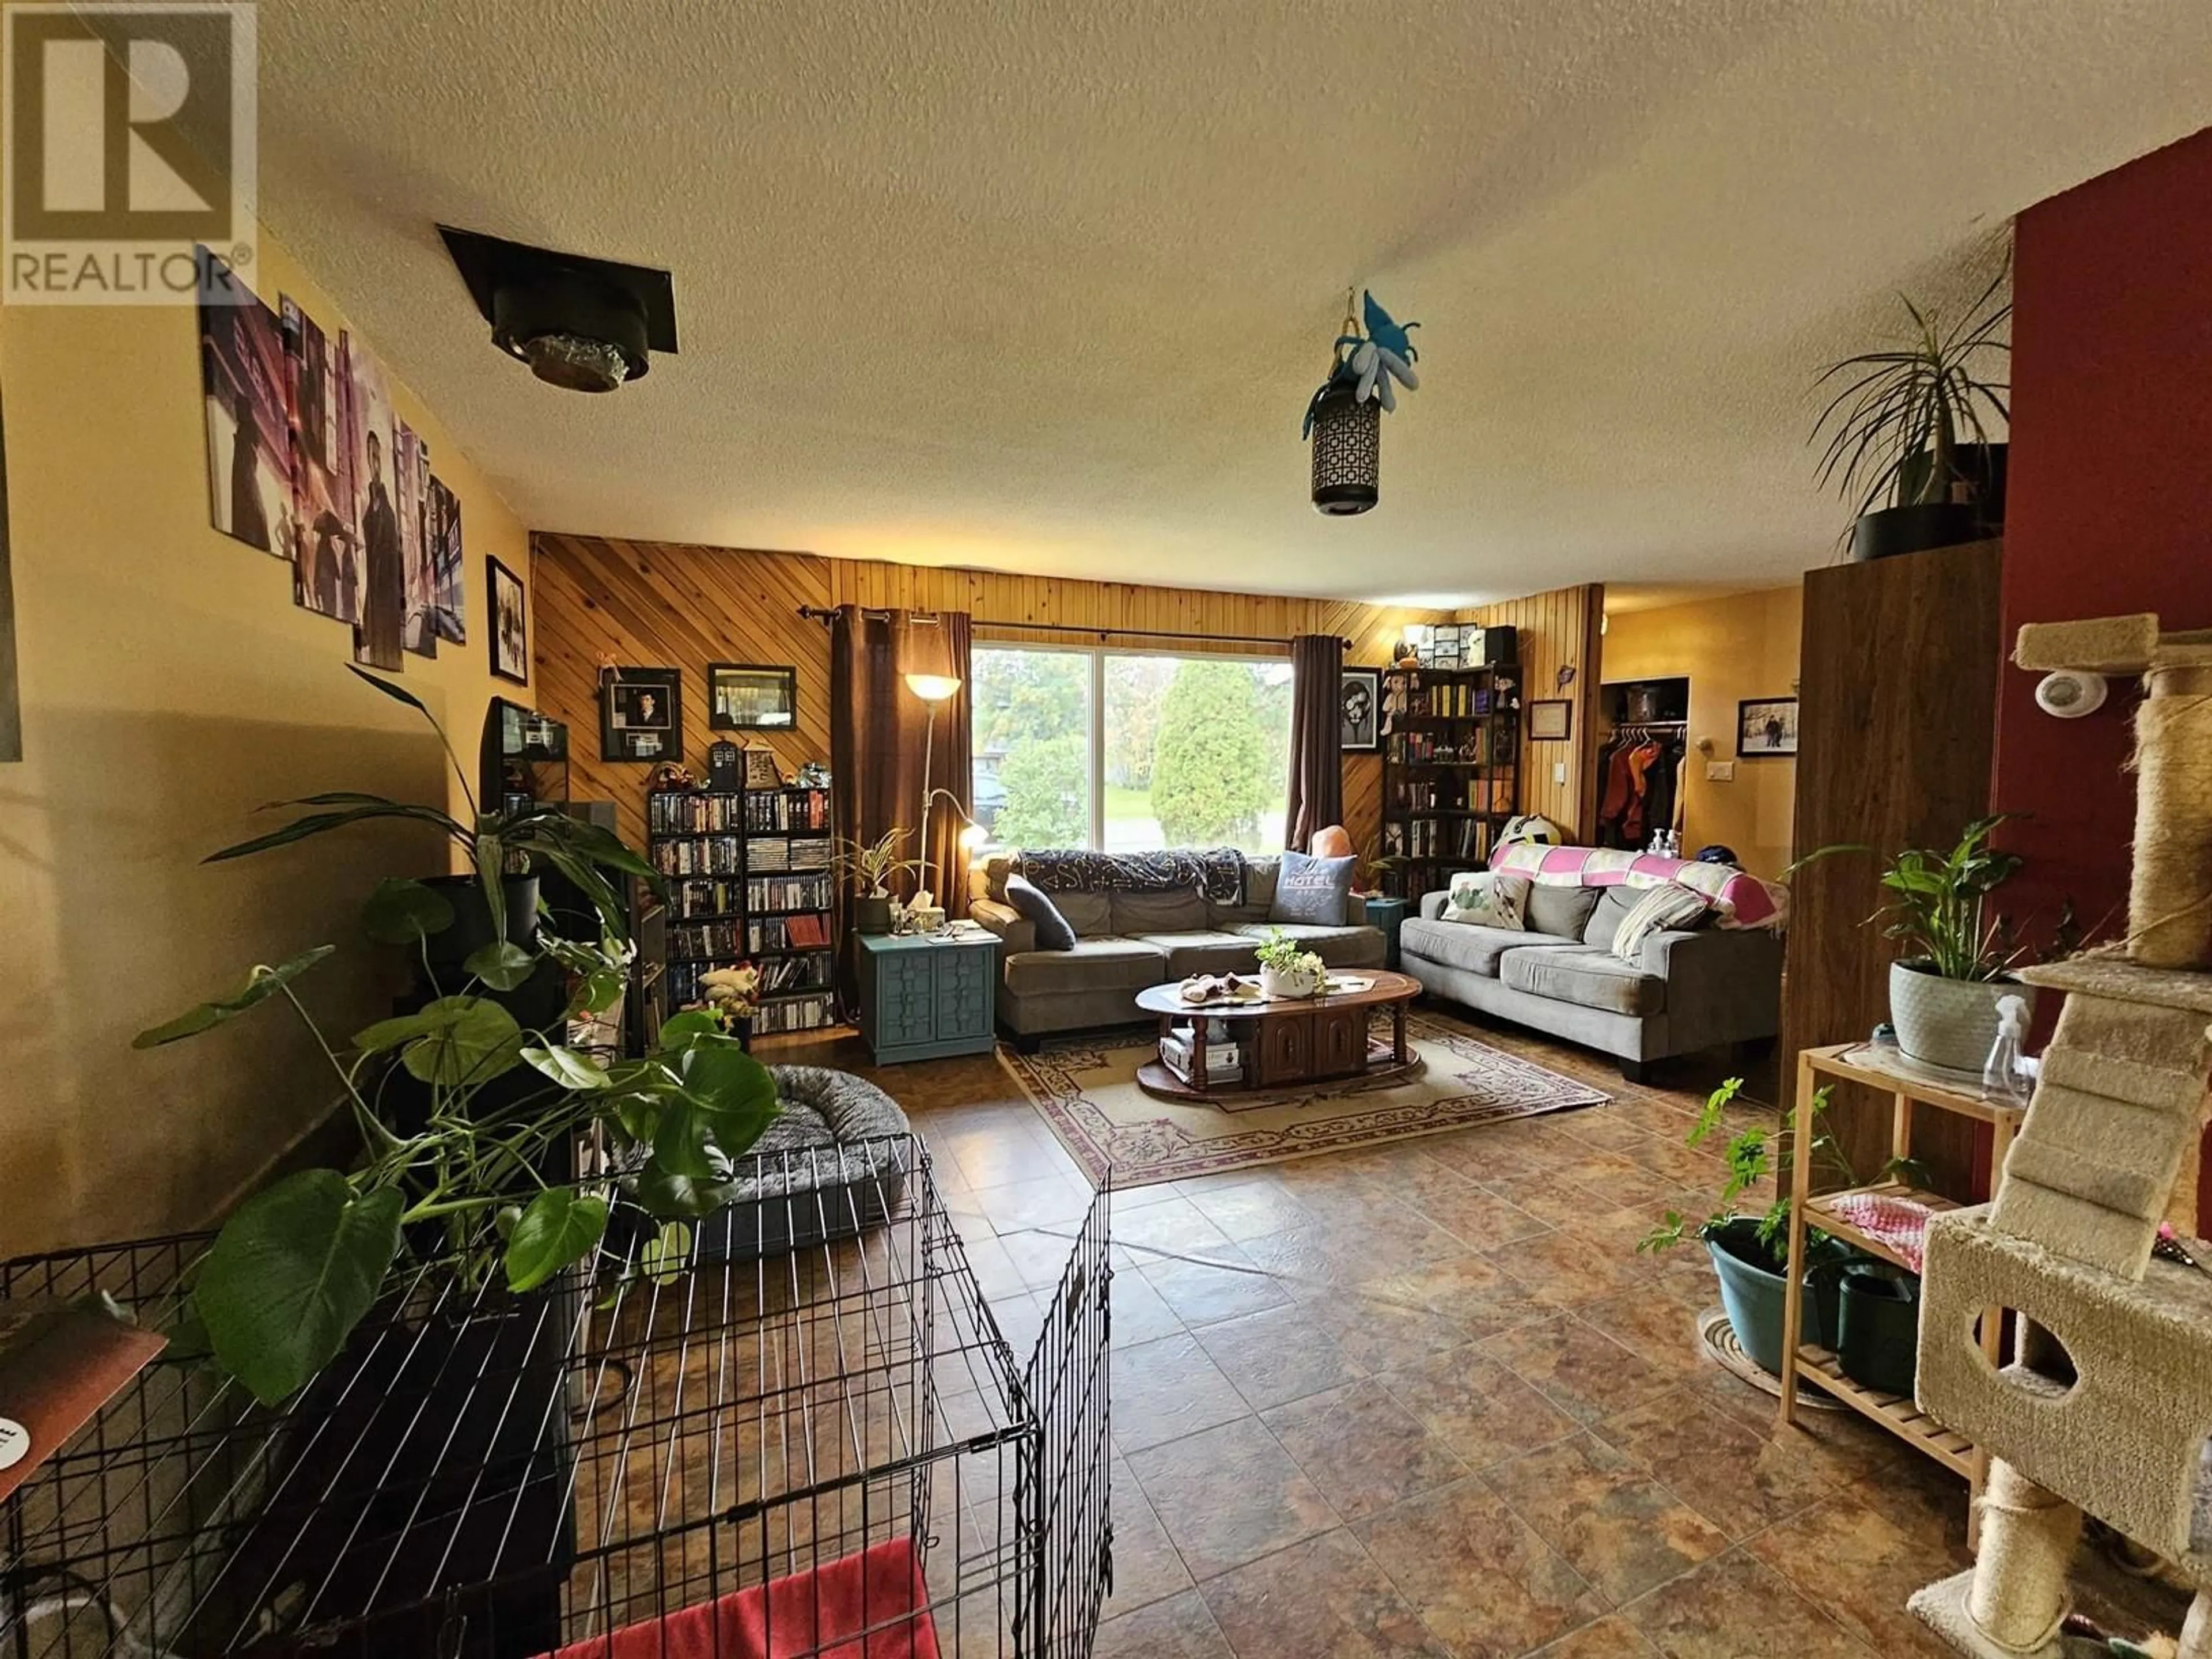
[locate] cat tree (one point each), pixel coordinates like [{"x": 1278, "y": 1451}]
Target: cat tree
[{"x": 2106, "y": 1404}]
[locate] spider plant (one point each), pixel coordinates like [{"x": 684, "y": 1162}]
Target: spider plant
[
  {"x": 871, "y": 865},
  {"x": 1895, "y": 427}
]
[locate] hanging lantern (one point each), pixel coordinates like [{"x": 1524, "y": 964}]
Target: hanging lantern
[
  {"x": 1343, "y": 421},
  {"x": 1347, "y": 451}
]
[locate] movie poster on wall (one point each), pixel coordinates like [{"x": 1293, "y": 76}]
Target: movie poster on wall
[
  {"x": 447, "y": 613},
  {"x": 378, "y": 635},
  {"x": 242, "y": 384},
  {"x": 411, "y": 476},
  {"x": 326, "y": 572}
]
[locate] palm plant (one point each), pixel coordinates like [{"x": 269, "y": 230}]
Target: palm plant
[{"x": 1896, "y": 425}]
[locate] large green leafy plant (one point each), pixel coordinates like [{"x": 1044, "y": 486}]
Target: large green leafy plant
[
  {"x": 1935, "y": 903},
  {"x": 491, "y": 1107}
]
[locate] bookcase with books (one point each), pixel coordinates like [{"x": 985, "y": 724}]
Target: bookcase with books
[
  {"x": 1451, "y": 752},
  {"x": 749, "y": 881}
]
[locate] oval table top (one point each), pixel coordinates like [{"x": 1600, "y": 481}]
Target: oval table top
[{"x": 1387, "y": 987}]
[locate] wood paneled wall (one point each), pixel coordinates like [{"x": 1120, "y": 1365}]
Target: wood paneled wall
[
  {"x": 1558, "y": 629},
  {"x": 673, "y": 604},
  {"x": 1898, "y": 675}
]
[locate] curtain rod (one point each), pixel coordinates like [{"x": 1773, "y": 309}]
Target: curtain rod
[{"x": 821, "y": 613}]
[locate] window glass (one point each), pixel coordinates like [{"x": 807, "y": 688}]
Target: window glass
[{"x": 1032, "y": 729}]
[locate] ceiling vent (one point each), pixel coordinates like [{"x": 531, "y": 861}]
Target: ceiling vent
[{"x": 586, "y": 325}]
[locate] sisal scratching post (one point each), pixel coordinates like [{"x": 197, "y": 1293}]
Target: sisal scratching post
[
  {"x": 2028, "y": 1533},
  {"x": 2170, "y": 901}
]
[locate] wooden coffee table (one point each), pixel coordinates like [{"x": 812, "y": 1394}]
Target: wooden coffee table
[{"x": 1287, "y": 1043}]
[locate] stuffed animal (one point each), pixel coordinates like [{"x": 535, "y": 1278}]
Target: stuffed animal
[{"x": 1366, "y": 365}]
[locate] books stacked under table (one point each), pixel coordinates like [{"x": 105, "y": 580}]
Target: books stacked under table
[{"x": 1225, "y": 1060}]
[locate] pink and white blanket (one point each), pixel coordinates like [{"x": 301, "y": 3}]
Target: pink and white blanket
[{"x": 1739, "y": 899}]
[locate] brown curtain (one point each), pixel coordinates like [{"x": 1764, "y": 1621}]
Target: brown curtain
[
  {"x": 879, "y": 729},
  {"x": 1317, "y": 737}
]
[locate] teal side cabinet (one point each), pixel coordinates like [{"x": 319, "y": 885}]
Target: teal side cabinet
[
  {"x": 925, "y": 998},
  {"x": 1387, "y": 913}
]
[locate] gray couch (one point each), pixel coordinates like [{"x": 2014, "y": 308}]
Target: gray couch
[
  {"x": 1684, "y": 991},
  {"x": 1127, "y": 941}
]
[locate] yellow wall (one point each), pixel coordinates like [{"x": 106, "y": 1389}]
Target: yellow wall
[
  {"x": 1736, "y": 649},
  {"x": 169, "y": 687}
]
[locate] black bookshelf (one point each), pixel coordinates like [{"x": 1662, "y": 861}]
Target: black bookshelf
[
  {"x": 749, "y": 880},
  {"x": 1451, "y": 769}
]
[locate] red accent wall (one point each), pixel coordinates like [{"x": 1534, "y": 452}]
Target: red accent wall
[{"x": 2109, "y": 507}]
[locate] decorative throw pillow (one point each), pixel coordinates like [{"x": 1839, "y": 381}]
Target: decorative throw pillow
[
  {"x": 1661, "y": 909},
  {"x": 1312, "y": 890},
  {"x": 1034, "y": 905},
  {"x": 1488, "y": 900}
]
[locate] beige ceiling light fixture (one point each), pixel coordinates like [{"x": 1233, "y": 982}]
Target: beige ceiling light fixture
[{"x": 1344, "y": 420}]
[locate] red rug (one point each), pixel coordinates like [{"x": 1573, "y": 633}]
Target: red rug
[{"x": 872, "y": 1606}]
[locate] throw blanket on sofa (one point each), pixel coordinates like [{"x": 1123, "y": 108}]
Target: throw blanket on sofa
[
  {"x": 1739, "y": 899},
  {"x": 1217, "y": 873}
]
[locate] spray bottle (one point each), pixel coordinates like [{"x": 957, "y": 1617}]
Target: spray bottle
[{"x": 2002, "y": 1077}]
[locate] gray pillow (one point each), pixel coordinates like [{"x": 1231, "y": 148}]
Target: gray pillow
[
  {"x": 1034, "y": 905},
  {"x": 1612, "y": 910},
  {"x": 1312, "y": 890},
  {"x": 1562, "y": 912}
]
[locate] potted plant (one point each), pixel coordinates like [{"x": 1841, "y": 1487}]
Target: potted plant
[
  {"x": 1286, "y": 971},
  {"x": 1750, "y": 1253},
  {"x": 1907, "y": 440},
  {"x": 869, "y": 867},
  {"x": 1958, "y": 960}
]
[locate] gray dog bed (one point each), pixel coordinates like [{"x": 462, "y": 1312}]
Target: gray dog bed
[{"x": 832, "y": 1165}]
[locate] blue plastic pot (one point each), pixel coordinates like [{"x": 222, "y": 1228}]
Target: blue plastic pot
[{"x": 1751, "y": 1290}]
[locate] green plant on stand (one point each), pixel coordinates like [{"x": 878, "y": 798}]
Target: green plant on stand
[
  {"x": 463, "y": 1187},
  {"x": 868, "y": 867},
  {"x": 1750, "y": 1252}
]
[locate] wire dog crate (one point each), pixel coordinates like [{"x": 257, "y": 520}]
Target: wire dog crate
[{"x": 826, "y": 1450}]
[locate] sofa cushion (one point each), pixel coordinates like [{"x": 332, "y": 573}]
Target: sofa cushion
[
  {"x": 1562, "y": 912},
  {"x": 1465, "y": 945},
  {"x": 1096, "y": 964},
  {"x": 1157, "y": 912},
  {"x": 1612, "y": 910},
  {"x": 1339, "y": 947},
  {"x": 1587, "y": 977},
  {"x": 1313, "y": 890},
  {"x": 1205, "y": 952},
  {"x": 1035, "y": 907},
  {"x": 1091, "y": 914},
  {"x": 1486, "y": 899}
]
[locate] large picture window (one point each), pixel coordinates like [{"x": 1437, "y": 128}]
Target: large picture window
[{"x": 1128, "y": 752}]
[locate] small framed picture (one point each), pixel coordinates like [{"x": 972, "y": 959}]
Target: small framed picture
[
  {"x": 641, "y": 714},
  {"x": 1360, "y": 694},
  {"x": 1551, "y": 721},
  {"x": 510, "y": 627},
  {"x": 748, "y": 696},
  {"x": 1766, "y": 728}
]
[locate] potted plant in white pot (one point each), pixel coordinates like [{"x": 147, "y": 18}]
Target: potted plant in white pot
[
  {"x": 1286, "y": 970},
  {"x": 1908, "y": 440},
  {"x": 869, "y": 867}
]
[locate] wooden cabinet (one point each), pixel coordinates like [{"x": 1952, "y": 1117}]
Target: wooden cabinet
[
  {"x": 1896, "y": 719},
  {"x": 926, "y": 999},
  {"x": 1286, "y": 1050},
  {"x": 1340, "y": 1041}
]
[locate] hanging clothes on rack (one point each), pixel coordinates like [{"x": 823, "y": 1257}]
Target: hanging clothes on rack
[{"x": 1640, "y": 782}]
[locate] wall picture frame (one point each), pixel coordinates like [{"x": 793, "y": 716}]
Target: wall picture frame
[
  {"x": 1766, "y": 728},
  {"x": 1551, "y": 720},
  {"x": 510, "y": 623},
  {"x": 641, "y": 714},
  {"x": 1359, "y": 695},
  {"x": 751, "y": 696}
]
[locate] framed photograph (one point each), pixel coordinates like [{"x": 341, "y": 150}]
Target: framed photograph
[
  {"x": 510, "y": 627},
  {"x": 1766, "y": 728},
  {"x": 1551, "y": 720},
  {"x": 750, "y": 697},
  {"x": 1359, "y": 695},
  {"x": 641, "y": 714}
]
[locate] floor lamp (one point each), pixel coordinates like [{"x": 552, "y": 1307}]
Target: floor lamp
[{"x": 934, "y": 691}]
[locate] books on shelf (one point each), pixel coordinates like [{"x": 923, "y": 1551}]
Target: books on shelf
[
  {"x": 689, "y": 811},
  {"x": 800, "y": 892},
  {"x": 800, "y": 1013},
  {"x": 787, "y": 809},
  {"x": 699, "y": 855},
  {"x": 812, "y": 854}
]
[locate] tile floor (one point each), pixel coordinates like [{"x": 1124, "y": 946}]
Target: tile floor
[{"x": 1426, "y": 1398}]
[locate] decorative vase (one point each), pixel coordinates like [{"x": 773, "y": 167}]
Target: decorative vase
[
  {"x": 1278, "y": 985},
  {"x": 1947, "y": 1022},
  {"x": 1888, "y": 532},
  {"x": 1751, "y": 1291},
  {"x": 871, "y": 913}
]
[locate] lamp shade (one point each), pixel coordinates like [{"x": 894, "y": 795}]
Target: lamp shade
[
  {"x": 1347, "y": 453},
  {"x": 932, "y": 688}
]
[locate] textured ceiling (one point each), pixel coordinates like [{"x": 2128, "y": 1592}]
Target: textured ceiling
[{"x": 1045, "y": 287}]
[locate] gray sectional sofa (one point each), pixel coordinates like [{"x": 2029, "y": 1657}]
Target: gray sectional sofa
[
  {"x": 1684, "y": 991},
  {"x": 1125, "y": 941}
]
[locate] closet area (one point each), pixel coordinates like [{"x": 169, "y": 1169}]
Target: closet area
[{"x": 1644, "y": 743}]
